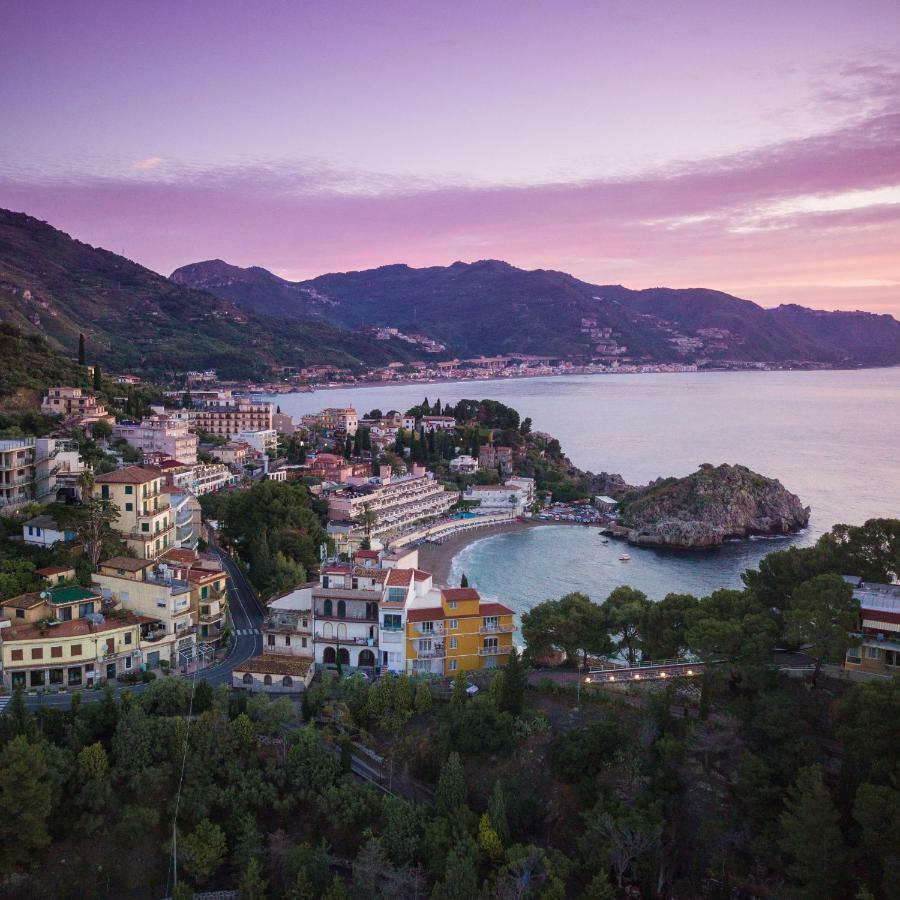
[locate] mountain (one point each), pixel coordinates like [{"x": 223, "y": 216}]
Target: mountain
[
  {"x": 136, "y": 320},
  {"x": 491, "y": 307}
]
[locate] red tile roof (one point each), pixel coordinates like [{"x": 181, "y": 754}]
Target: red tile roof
[
  {"x": 399, "y": 577},
  {"x": 73, "y": 628},
  {"x": 494, "y": 609},
  {"x": 366, "y": 554},
  {"x": 429, "y": 614},
  {"x": 420, "y": 575},
  {"x": 459, "y": 594},
  {"x": 130, "y": 475},
  {"x": 180, "y": 555},
  {"x": 275, "y": 665},
  {"x": 49, "y": 571}
]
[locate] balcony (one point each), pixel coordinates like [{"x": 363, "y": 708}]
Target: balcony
[
  {"x": 392, "y": 636},
  {"x": 152, "y": 637},
  {"x": 437, "y": 629},
  {"x": 212, "y": 618},
  {"x": 497, "y": 629},
  {"x": 357, "y": 641},
  {"x": 435, "y": 653},
  {"x": 494, "y": 651}
]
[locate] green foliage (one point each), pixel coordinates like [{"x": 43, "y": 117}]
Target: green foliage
[
  {"x": 25, "y": 802},
  {"x": 811, "y": 837},
  {"x": 663, "y": 630},
  {"x": 731, "y": 625},
  {"x": 401, "y": 830},
  {"x": 202, "y": 851},
  {"x": 451, "y": 793},
  {"x": 866, "y": 725},
  {"x": 252, "y": 885},
  {"x": 572, "y": 624},
  {"x": 423, "y": 700},
  {"x": 459, "y": 697},
  {"x": 625, "y": 613},
  {"x": 488, "y": 840},
  {"x": 512, "y": 685},
  {"x": 582, "y": 754}
]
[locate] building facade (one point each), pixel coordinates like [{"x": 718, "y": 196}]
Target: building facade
[
  {"x": 230, "y": 420},
  {"x": 878, "y": 650},
  {"x": 160, "y": 434}
]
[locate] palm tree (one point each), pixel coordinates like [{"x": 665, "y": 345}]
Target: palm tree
[{"x": 368, "y": 519}]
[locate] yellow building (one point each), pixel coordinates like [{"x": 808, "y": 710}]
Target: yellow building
[
  {"x": 461, "y": 634},
  {"x": 60, "y": 638},
  {"x": 146, "y": 521},
  {"x": 209, "y": 595}
]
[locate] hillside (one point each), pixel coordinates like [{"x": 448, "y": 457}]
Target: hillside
[
  {"x": 137, "y": 320},
  {"x": 491, "y": 307}
]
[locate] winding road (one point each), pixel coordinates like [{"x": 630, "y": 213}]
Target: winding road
[{"x": 246, "y": 613}]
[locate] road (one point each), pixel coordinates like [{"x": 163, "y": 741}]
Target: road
[{"x": 246, "y": 618}]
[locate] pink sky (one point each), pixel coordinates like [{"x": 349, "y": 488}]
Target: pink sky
[{"x": 753, "y": 148}]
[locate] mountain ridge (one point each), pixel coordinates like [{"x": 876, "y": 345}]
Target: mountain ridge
[{"x": 490, "y": 307}]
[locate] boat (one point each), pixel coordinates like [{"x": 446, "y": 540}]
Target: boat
[
  {"x": 604, "y": 540},
  {"x": 624, "y": 557}
]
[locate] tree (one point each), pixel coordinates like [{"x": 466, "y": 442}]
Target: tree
[
  {"x": 464, "y": 581},
  {"x": 870, "y": 550},
  {"x": 821, "y": 615},
  {"x": 368, "y": 519},
  {"x": 459, "y": 696},
  {"x": 572, "y": 624},
  {"x": 423, "y": 699},
  {"x": 25, "y": 802},
  {"x": 95, "y": 529},
  {"x": 488, "y": 840},
  {"x": 876, "y": 809},
  {"x": 451, "y": 793},
  {"x": 460, "y": 881},
  {"x": 202, "y": 851},
  {"x": 401, "y": 832},
  {"x": 731, "y": 626},
  {"x": 664, "y": 629},
  {"x": 497, "y": 812},
  {"x": 625, "y": 610},
  {"x": 811, "y": 837},
  {"x": 98, "y": 378},
  {"x": 252, "y": 885},
  {"x": 512, "y": 692},
  {"x": 622, "y": 839},
  {"x": 82, "y": 359},
  {"x": 866, "y": 725}
]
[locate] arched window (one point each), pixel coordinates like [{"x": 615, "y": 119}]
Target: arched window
[
  {"x": 287, "y": 681},
  {"x": 329, "y": 656},
  {"x": 267, "y": 680},
  {"x": 344, "y": 656},
  {"x": 342, "y": 631},
  {"x": 366, "y": 659},
  {"x": 327, "y": 608},
  {"x": 327, "y": 630},
  {"x": 248, "y": 678},
  {"x": 342, "y": 609}
]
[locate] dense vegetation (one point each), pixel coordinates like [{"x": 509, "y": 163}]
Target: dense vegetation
[
  {"x": 491, "y": 307},
  {"x": 276, "y": 530},
  {"x": 136, "y": 320}
]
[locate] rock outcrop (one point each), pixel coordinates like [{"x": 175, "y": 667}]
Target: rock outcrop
[{"x": 710, "y": 506}]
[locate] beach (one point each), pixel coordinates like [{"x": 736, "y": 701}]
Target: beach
[{"x": 438, "y": 558}]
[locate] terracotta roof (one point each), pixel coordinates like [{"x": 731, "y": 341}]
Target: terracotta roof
[
  {"x": 366, "y": 554},
  {"x": 466, "y": 593},
  {"x": 420, "y": 575},
  {"x": 431, "y": 613},
  {"x": 180, "y": 555},
  {"x": 74, "y": 628},
  {"x": 128, "y": 563},
  {"x": 130, "y": 475},
  {"x": 198, "y": 575},
  {"x": 494, "y": 609},
  {"x": 25, "y": 601},
  {"x": 275, "y": 665},
  {"x": 399, "y": 577},
  {"x": 50, "y": 571}
]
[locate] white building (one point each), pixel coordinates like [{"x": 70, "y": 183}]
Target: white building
[
  {"x": 188, "y": 517},
  {"x": 43, "y": 531},
  {"x": 263, "y": 441},
  {"x": 438, "y": 423},
  {"x": 497, "y": 498},
  {"x": 160, "y": 434},
  {"x": 464, "y": 465},
  {"x": 204, "y": 478}
]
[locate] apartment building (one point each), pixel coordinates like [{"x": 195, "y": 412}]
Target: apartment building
[
  {"x": 334, "y": 420},
  {"x": 162, "y": 601},
  {"x": 208, "y": 585},
  {"x": 235, "y": 453},
  {"x": 37, "y": 469},
  {"x": 61, "y": 638},
  {"x": 160, "y": 434},
  {"x": 145, "y": 521},
  {"x": 74, "y": 404},
  {"x": 283, "y": 424},
  {"x": 331, "y": 467},
  {"x": 397, "y": 501},
  {"x": 262, "y": 440},
  {"x": 229, "y": 420},
  {"x": 188, "y": 519},
  {"x": 286, "y": 664},
  {"x": 464, "y": 465},
  {"x": 17, "y": 472},
  {"x": 878, "y": 650},
  {"x": 437, "y": 423},
  {"x": 453, "y": 630},
  {"x": 203, "y": 478}
]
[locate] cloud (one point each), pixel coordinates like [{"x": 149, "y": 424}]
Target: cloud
[
  {"x": 148, "y": 164},
  {"x": 817, "y": 216}
]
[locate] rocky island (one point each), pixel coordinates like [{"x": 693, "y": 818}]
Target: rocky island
[{"x": 705, "y": 508}]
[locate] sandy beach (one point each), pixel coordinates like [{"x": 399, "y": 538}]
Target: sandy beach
[{"x": 437, "y": 558}]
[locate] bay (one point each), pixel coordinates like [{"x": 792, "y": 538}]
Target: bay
[{"x": 831, "y": 437}]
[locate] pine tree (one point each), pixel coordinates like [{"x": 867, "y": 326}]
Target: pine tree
[
  {"x": 451, "y": 791},
  {"x": 497, "y": 812},
  {"x": 459, "y": 696},
  {"x": 423, "y": 697},
  {"x": 98, "y": 378},
  {"x": 25, "y": 802},
  {"x": 811, "y": 837},
  {"x": 252, "y": 885},
  {"x": 81, "y": 353},
  {"x": 512, "y": 697},
  {"x": 488, "y": 840},
  {"x": 463, "y": 582}
]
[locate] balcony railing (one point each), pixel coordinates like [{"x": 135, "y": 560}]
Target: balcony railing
[
  {"x": 493, "y": 651},
  {"x": 359, "y": 641},
  {"x": 434, "y": 653},
  {"x": 497, "y": 629},
  {"x": 437, "y": 629}
]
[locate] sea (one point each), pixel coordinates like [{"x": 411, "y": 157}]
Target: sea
[{"x": 831, "y": 437}]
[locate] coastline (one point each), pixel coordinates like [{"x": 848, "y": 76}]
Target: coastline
[{"x": 438, "y": 558}]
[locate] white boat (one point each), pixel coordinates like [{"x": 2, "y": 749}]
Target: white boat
[{"x": 624, "y": 557}]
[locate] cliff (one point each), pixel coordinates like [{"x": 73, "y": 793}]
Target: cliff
[{"x": 709, "y": 506}]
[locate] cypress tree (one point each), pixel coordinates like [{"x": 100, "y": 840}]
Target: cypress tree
[
  {"x": 451, "y": 791},
  {"x": 464, "y": 581},
  {"x": 98, "y": 382},
  {"x": 81, "y": 354},
  {"x": 512, "y": 696}
]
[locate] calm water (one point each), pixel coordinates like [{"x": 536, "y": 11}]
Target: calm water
[{"x": 831, "y": 437}]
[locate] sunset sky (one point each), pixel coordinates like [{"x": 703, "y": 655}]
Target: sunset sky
[{"x": 749, "y": 147}]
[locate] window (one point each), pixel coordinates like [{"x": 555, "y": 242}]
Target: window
[
  {"x": 453, "y": 643},
  {"x": 16, "y": 655},
  {"x": 129, "y": 507},
  {"x": 452, "y": 604},
  {"x": 341, "y": 609},
  {"x": 37, "y": 678},
  {"x": 491, "y": 644},
  {"x": 37, "y": 652},
  {"x": 248, "y": 678},
  {"x": 270, "y": 639},
  {"x": 127, "y": 637},
  {"x": 129, "y": 489},
  {"x": 287, "y": 640},
  {"x": 75, "y": 675},
  {"x": 873, "y": 653},
  {"x": 85, "y": 609},
  {"x": 204, "y": 593},
  {"x": 56, "y": 652},
  {"x": 104, "y": 492},
  {"x": 76, "y": 650},
  {"x": 454, "y": 623},
  {"x": 427, "y": 627},
  {"x": 145, "y": 526},
  {"x": 452, "y": 665},
  {"x": 287, "y": 681},
  {"x": 393, "y": 621},
  {"x": 127, "y": 662},
  {"x": 20, "y": 613},
  {"x": 304, "y": 643},
  {"x": 267, "y": 680},
  {"x": 327, "y": 608},
  {"x": 491, "y": 622}
]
